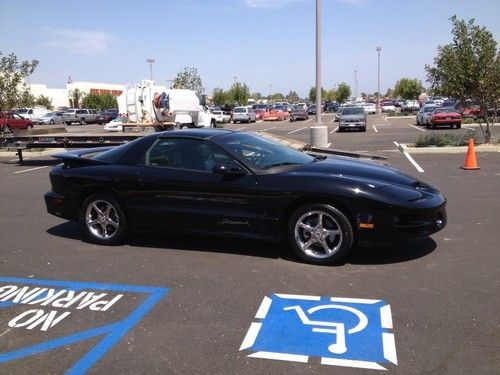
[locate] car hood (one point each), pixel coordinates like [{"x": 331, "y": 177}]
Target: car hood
[
  {"x": 352, "y": 117},
  {"x": 363, "y": 171}
]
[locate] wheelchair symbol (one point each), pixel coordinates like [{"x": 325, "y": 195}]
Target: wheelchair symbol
[{"x": 338, "y": 329}]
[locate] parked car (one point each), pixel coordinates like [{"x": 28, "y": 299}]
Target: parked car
[
  {"x": 243, "y": 114},
  {"x": 331, "y": 107},
  {"x": 387, "y": 106},
  {"x": 11, "y": 120},
  {"x": 353, "y": 118},
  {"x": 220, "y": 117},
  {"x": 259, "y": 113},
  {"x": 115, "y": 125},
  {"x": 473, "y": 111},
  {"x": 81, "y": 116},
  {"x": 106, "y": 116},
  {"x": 339, "y": 112},
  {"x": 424, "y": 113},
  {"x": 410, "y": 105},
  {"x": 298, "y": 113},
  {"x": 444, "y": 116},
  {"x": 275, "y": 114},
  {"x": 221, "y": 182},
  {"x": 370, "y": 108},
  {"x": 51, "y": 118},
  {"x": 312, "y": 109},
  {"x": 32, "y": 114}
]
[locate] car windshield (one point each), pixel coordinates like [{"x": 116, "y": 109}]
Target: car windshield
[
  {"x": 24, "y": 110},
  {"x": 50, "y": 114},
  {"x": 429, "y": 108},
  {"x": 353, "y": 111},
  {"x": 261, "y": 153},
  {"x": 240, "y": 110},
  {"x": 444, "y": 110},
  {"x": 217, "y": 112}
]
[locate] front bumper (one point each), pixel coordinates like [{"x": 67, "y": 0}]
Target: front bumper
[{"x": 357, "y": 124}]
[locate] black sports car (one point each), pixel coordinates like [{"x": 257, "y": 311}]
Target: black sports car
[{"x": 239, "y": 184}]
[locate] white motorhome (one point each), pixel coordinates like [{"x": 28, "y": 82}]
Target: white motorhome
[{"x": 149, "y": 103}]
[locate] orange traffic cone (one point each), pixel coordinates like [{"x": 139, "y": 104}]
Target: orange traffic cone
[{"x": 470, "y": 158}]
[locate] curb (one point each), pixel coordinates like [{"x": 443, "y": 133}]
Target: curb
[{"x": 446, "y": 150}]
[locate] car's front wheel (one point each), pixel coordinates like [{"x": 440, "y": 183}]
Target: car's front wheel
[
  {"x": 103, "y": 220},
  {"x": 320, "y": 234}
]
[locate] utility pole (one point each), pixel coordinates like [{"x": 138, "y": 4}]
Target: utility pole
[
  {"x": 270, "y": 93},
  {"x": 355, "y": 84},
  {"x": 150, "y": 62},
  {"x": 379, "y": 48}
]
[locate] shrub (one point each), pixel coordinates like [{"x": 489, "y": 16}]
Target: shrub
[{"x": 447, "y": 139}]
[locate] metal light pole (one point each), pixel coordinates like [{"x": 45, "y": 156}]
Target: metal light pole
[
  {"x": 318, "y": 62},
  {"x": 270, "y": 92},
  {"x": 318, "y": 132},
  {"x": 355, "y": 84},
  {"x": 379, "y": 48},
  {"x": 150, "y": 61}
]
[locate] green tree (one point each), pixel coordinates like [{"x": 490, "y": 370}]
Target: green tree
[
  {"x": 389, "y": 93},
  {"x": 343, "y": 92},
  {"x": 469, "y": 68},
  {"x": 331, "y": 95},
  {"x": 12, "y": 80},
  {"x": 238, "y": 94},
  {"x": 45, "y": 101},
  {"x": 256, "y": 96},
  {"x": 407, "y": 88},
  {"x": 99, "y": 101},
  {"x": 277, "y": 96},
  {"x": 312, "y": 93},
  {"x": 27, "y": 99},
  {"x": 220, "y": 97},
  {"x": 76, "y": 95},
  {"x": 292, "y": 97},
  {"x": 188, "y": 78}
]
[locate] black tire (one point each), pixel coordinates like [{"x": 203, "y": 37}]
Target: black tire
[
  {"x": 459, "y": 126},
  {"x": 428, "y": 126},
  {"x": 212, "y": 123},
  {"x": 118, "y": 233},
  {"x": 82, "y": 121},
  {"x": 30, "y": 126},
  {"x": 68, "y": 123},
  {"x": 363, "y": 129},
  {"x": 418, "y": 122},
  {"x": 333, "y": 220},
  {"x": 51, "y": 122}
]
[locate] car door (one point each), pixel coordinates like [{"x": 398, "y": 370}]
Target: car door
[{"x": 178, "y": 189}]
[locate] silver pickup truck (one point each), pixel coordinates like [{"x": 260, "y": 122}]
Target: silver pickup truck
[{"x": 82, "y": 116}]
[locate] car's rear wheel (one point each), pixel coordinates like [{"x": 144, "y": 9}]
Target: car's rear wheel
[
  {"x": 51, "y": 122},
  {"x": 82, "y": 121},
  {"x": 104, "y": 220},
  {"x": 320, "y": 234}
]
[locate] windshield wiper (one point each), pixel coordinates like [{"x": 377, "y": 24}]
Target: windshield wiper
[{"x": 280, "y": 164}]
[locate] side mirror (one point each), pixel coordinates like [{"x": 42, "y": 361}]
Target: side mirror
[{"x": 231, "y": 169}]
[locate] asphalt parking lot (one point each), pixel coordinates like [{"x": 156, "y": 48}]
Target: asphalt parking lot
[{"x": 185, "y": 305}]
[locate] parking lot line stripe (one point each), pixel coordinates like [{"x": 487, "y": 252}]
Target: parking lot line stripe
[
  {"x": 351, "y": 363},
  {"x": 354, "y": 300},
  {"x": 243, "y": 128},
  {"x": 266, "y": 129},
  {"x": 422, "y": 130},
  {"x": 308, "y": 120},
  {"x": 386, "y": 316},
  {"x": 415, "y": 164},
  {"x": 31, "y": 169},
  {"x": 281, "y": 356},
  {"x": 297, "y": 130},
  {"x": 251, "y": 336},
  {"x": 334, "y": 130},
  {"x": 374, "y": 128},
  {"x": 264, "y": 308}
]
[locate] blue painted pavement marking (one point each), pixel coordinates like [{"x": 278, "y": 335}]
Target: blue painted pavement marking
[
  {"x": 341, "y": 331},
  {"x": 111, "y": 332}
]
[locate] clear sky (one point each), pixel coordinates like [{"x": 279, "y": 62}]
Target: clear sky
[{"x": 261, "y": 42}]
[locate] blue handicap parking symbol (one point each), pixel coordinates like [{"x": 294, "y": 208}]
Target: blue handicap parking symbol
[{"x": 341, "y": 331}]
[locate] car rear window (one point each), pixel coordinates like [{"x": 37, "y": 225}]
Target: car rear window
[{"x": 240, "y": 110}]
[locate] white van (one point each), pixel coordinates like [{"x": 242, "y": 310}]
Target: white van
[{"x": 32, "y": 113}]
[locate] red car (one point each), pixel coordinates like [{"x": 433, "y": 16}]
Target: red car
[
  {"x": 259, "y": 113},
  {"x": 275, "y": 115},
  {"x": 445, "y": 116},
  {"x": 9, "y": 121},
  {"x": 473, "y": 111}
]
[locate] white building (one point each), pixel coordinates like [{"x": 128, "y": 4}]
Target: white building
[{"x": 66, "y": 97}]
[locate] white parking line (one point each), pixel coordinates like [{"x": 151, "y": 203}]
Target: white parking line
[
  {"x": 416, "y": 127},
  {"x": 297, "y": 130},
  {"x": 334, "y": 130},
  {"x": 408, "y": 156},
  {"x": 243, "y": 128},
  {"x": 332, "y": 120},
  {"x": 29, "y": 170},
  {"x": 374, "y": 128},
  {"x": 266, "y": 129}
]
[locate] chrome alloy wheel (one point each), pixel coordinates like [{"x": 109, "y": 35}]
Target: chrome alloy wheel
[
  {"x": 318, "y": 234},
  {"x": 101, "y": 219}
]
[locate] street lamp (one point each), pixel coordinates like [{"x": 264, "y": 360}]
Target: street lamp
[
  {"x": 379, "y": 48},
  {"x": 355, "y": 84},
  {"x": 151, "y": 61}
]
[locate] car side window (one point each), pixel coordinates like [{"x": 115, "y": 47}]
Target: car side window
[{"x": 190, "y": 154}]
